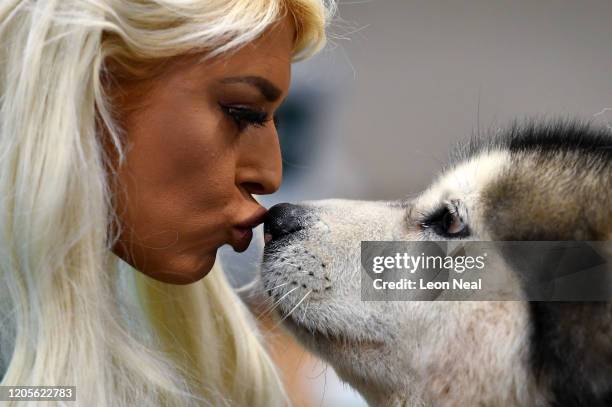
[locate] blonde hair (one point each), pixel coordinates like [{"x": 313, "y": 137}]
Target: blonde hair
[{"x": 69, "y": 314}]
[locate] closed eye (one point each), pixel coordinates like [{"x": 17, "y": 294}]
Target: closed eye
[
  {"x": 244, "y": 117},
  {"x": 446, "y": 222}
]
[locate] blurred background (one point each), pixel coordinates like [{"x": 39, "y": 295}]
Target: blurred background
[{"x": 375, "y": 114}]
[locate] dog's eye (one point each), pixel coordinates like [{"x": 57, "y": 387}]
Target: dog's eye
[{"x": 446, "y": 222}]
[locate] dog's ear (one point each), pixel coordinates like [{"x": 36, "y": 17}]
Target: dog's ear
[{"x": 571, "y": 351}]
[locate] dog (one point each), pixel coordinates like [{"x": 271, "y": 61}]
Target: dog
[{"x": 533, "y": 181}]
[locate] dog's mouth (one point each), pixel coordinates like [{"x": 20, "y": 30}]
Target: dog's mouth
[
  {"x": 275, "y": 249},
  {"x": 319, "y": 338}
]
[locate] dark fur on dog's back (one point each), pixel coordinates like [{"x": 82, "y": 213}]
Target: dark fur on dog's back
[
  {"x": 571, "y": 352},
  {"x": 558, "y": 136},
  {"x": 558, "y": 185},
  {"x": 541, "y": 136}
]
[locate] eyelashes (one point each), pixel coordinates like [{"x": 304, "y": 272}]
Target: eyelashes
[
  {"x": 446, "y": 222},
  {"x": 244, "y": 117}
]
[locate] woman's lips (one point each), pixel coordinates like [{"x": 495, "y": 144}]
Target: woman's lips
[
  {"x": 242, "y": 232},
  {"x": 241, "y": 238}
]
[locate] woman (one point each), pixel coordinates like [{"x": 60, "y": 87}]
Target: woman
[{"x": 139, "y": 130}]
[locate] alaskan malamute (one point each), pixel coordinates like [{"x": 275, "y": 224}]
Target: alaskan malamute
[{"x": 539, "y": 182}]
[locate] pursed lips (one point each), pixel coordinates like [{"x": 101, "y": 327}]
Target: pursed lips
[{"x": 242, "y": 232}]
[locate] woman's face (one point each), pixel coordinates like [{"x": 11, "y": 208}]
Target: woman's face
[{"x": 200, "y": 141}]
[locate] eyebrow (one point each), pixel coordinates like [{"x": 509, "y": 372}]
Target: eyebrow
[{"x": 267, "y": 88}]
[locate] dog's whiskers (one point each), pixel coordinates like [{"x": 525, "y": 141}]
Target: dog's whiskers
[
  {"x": 276, "y": 304},
  {"x": 280, "y": 285},
  {"x": 306, "y": 307},
  {"x": 293, "y": 309}
]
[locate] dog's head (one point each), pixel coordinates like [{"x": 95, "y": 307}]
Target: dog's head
[{"x": 550, "y": 182}]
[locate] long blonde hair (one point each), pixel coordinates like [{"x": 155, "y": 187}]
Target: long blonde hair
[{"x": 69, "y": 313}]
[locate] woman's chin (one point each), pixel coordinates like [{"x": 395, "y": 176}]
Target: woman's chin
[{"x": 181, "y": 271}]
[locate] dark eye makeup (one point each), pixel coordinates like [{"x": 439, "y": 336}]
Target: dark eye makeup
[
  {"x": 244, "y": 117},
  {"x": 445, "y": 221}
]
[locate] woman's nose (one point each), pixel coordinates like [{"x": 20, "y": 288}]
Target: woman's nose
[{"x": 260, "y": 165}]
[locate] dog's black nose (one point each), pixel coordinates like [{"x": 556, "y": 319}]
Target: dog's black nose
[{"x": 284, "y": 219}]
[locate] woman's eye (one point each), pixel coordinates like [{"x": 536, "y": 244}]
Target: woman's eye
[
  {"x": 244, "y": 117},
  {"x": 446, "y": 222}
]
